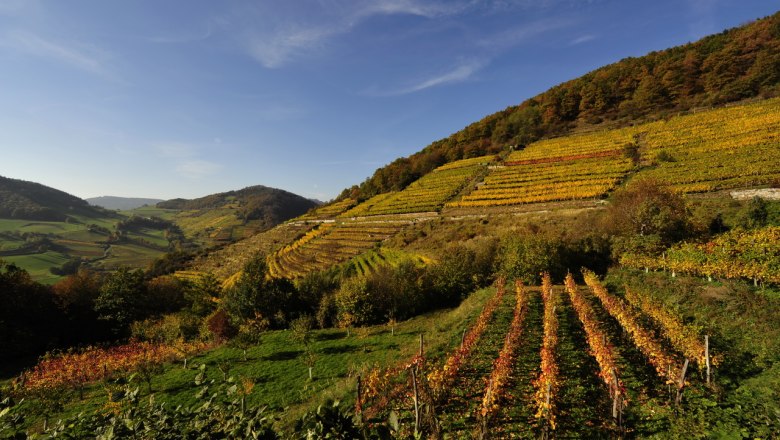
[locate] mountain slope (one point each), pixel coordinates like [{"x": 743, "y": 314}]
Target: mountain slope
[
  {"x": 121, "y": 203},
  {"x": 736, "y": 64},
  {"x": 20, "y": 199}
]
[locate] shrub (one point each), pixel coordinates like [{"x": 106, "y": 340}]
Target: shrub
[{"x": 219, "y": 326}]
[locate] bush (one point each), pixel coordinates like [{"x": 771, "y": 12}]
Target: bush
[
  {"x": 168, "y": 329},
  {"x": 525, "y": 257},
  {"x": 219, "y": 326}
]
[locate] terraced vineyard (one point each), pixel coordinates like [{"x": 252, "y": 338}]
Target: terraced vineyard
[
  {"x": 329, "y": 211},
  {"x": 329, "y": 244},
  {"x": 429, "y": 193},
  {"x": 576, "y": 167},
  {"x": 229, "y": 260},
  {"x": 369, "y": 262},
  {"x": 726, "y": 148}
]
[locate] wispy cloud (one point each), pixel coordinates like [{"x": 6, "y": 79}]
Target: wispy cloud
[
  {"x": 82, "y": 57},
  {"x": 582, "y": 39},
  {"x": 459, "y": 73},
  {"x": 285, "y": 40},
  {"x": 197, "y": 169}
]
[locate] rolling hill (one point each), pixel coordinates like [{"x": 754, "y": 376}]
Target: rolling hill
[
  {"x": 51, "y": 233},
  {"x": 233, "y": 215},
  {"x": 24, "y": 200}
]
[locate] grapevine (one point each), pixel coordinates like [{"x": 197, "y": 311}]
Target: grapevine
[
  {"x": 597, "y": 341},
  {"x": 665, "y": 364},
  {"x": 441, "y": 379},
  {"x": 685, "y": 338},
  {"x": 547, "y": 383},
  {"x": 502, "y": 366}
]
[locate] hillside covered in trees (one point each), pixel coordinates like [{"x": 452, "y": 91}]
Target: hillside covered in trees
[
  {"x": 737, "y": 64},
  {"x": 269, "y": 205},
  {"x": 24, "y": 200}
]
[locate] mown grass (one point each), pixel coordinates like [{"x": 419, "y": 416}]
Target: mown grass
[
  {"x": 38, "y": 265},
  {"x": 41, "y": 227}
]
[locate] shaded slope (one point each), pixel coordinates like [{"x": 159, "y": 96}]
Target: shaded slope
[
  {"x": 269, "y": 205},
  {"x": 20, "y": 199}
]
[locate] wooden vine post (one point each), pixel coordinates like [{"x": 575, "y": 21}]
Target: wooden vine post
[
  {"x": 359, "y": 401},
  {"x": 681, "y": 384},
  {"x": 707, "y": 355},
  {"x": 416, "y": 400},
  {"x": 617, "y": 401}
]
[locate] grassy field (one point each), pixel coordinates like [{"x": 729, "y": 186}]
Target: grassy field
[
  {"x": 13, "y": 225},
  {"x": 276, "y": 364},
  {"x": 80, "y": 237},
  {"x": 151, "y": 211},
  {"x": 38, "y": 265}
]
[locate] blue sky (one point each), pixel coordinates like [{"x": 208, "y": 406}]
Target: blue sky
[{"x": 187, "y": 98}]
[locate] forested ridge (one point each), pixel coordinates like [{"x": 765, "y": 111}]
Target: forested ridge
[
  {"x": 32, "y": 201},
  {"x": 257, "y": 202},
  {"x": 737, "y": 64}
]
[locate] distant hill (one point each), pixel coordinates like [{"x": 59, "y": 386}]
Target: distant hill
[
  {"x": 20, "y": 199},
  {"x": 121, "y": 203},
  {"x": 733, "y": 65},
  {"x": 237, "y": 214}
]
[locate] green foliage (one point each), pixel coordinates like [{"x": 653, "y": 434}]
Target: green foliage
[
  {"x": 168, "y": 329},
  {"x": 645, "y": 208},
  {"x": 121, "y": 299},
  {"x": 398, "y": 290},
  {"x": 525, "y": 257},
  {"x": 459, "y": 271},
  {"x": 355, "y": 303},
  {"x": 301, "y": 329},
  {"x": 756, "y": 214},
  {"x": 29, "y": 317},
  {"x": 201, "y": 294},
  {"x": 254, "y": 295},
  {"x": 329, "y": 421}
]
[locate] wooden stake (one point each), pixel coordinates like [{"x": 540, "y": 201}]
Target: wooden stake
[
  {"x": 416, "y": 399},
  {"x": 681, "y": 383},
  {"x": 463, "y": 338},
  {"x": 422, "y": 351},
  {"x": 615, "y": 395},
  {"x": 707, "y": 355},
  {"x": 359, "y": 401}
]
